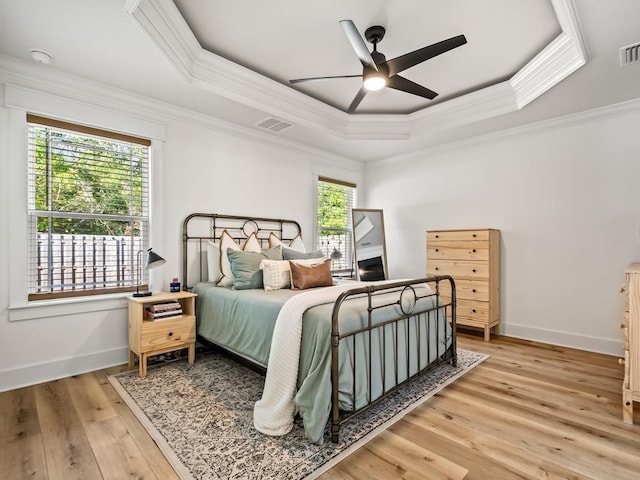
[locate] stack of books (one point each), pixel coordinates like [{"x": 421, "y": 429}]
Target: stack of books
[{"x": 164, "y": 310}]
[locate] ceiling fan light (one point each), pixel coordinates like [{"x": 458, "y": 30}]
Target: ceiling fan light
[{"x": 374, "y": 82}]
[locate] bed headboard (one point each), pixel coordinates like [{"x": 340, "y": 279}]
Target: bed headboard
[{"x": 200, "y": 228}]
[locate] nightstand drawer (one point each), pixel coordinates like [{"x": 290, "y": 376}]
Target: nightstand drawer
[{"x": 165, "y": 333}]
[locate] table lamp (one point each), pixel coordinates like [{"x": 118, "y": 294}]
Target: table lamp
[{"x": 153, "y": 260}]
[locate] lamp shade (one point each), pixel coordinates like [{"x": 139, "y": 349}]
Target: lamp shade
[{"x": 153, "y": 259}]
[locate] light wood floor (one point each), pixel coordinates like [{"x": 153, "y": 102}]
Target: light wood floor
[{"x": 530, "y": 411}]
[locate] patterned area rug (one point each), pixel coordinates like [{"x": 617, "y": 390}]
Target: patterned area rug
[{"x": 201, "y": 416}]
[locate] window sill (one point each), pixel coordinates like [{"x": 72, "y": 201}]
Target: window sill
[{"x": 67, "y": 306}]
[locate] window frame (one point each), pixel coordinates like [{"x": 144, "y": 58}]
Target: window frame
[
  {"x": 128, "y": 282},
  {"x": 346, "y": 261}
]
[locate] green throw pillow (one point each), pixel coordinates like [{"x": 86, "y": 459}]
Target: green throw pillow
[{"x": 245, "y": 266}]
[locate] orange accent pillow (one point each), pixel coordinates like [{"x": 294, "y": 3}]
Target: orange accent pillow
[{"x": 303, "y": 277}]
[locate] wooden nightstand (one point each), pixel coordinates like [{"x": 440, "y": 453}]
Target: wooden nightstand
[{"x": 153, "y": 337}]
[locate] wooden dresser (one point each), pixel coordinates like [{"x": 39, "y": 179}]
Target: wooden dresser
[
  {"x": 472, "y": 258},
  {"x": 631, "y": 327}
]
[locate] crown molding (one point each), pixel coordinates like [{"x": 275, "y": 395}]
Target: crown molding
[
  {"x": 598, "y": 114},
  {"x": 162, "y": 23},
  {"x": 558, "y": 60},
  {"x": 475, "y": 106},
  {"x": 31, "y": 87},
  {"x": 46, "y": 91},
  {"x": 168, "y": 31}
]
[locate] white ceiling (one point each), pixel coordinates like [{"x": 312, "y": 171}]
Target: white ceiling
[
  {"x": 305, "y": 40},
  {"x": 525, "y": 61}
]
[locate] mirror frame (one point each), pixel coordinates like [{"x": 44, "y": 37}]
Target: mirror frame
[{"x": 354, "y": 213}]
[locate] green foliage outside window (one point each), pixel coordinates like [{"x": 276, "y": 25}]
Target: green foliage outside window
[
  {"x": 333, "y": 207},
  {"x": 82, "y": 174}
]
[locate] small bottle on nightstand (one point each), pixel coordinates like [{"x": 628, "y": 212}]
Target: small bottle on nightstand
[{"x": 174, "y": 286}]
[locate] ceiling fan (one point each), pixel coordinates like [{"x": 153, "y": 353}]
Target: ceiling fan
[{"x": 378, "y": 72}]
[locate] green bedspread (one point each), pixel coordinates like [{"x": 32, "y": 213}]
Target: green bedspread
[{"x": 243, "y": 322}]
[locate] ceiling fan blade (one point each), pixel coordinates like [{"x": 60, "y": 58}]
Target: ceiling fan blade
[
  {"x": 311, "y": 79},
  {"x": 408, "y": 60},
  {"x": 400, "y": 83},
  {"x": 358, "y": 44},
  {"x": 356, "y": 101}
]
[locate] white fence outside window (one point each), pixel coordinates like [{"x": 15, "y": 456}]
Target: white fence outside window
[{"x": 85, "y": 262}]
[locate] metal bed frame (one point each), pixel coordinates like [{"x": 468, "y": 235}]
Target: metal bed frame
[{"x": 200, "y": 228}]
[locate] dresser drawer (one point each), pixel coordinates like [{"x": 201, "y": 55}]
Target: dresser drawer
[
  {"x": 165, "y": 333},
  {"x": 467, "y": 289},
  {"x": 457, "y": 235},
  {"x": 471, "y": 309},
  {"x": 461, "y": 250},
  {"x": 459, "y": 269}
]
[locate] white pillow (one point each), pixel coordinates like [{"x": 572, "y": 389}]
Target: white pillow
[
  {"x": 296, "y": 243},
  {"x": 274, "y": 241},
  {"x": 213, "y": 261},
  {"x": 276, "y": 274},
  {"x": 252, "y": 244}
]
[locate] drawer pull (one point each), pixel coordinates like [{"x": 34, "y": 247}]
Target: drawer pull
[
  {"x": 437, "y": 236},
  {"x": 474, "y": 235},
  {"x": 474, "y": 250},
  {"x": 474, "y": 270},
  {"x": 437, "y": 250},
  {"x": 623, "y": 325},
  {"x": 474, "y": 310},
  {"x": 473, "y": 290},
  {"x": 621, "y": 361},
  {"x": 437, "y": 268},
  {"x": 171, "y": 334}
]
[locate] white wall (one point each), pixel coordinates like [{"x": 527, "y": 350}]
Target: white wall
[
  {"x": 566, "y": 197},
  {"x": 199, "y": 164}
]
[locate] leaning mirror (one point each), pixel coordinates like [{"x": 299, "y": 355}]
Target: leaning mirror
[{"x": 369, "y": 244}]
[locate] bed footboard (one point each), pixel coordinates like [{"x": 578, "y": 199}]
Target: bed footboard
[{"x": 419, "y": 314}]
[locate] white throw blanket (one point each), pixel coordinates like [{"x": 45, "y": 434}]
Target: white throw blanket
[{"x": 273, "y": 413}]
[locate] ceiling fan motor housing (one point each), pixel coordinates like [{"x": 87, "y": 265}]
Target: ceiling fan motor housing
[{"x": 374, "y": 34}]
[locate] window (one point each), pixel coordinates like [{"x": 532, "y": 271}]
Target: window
[
  {"x": 335, "y": 201},
  {"x": 88, "y": 212}
]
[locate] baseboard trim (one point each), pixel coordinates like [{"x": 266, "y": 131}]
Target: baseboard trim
[
  {"x": 64, "y": 367},
  {"x": 564, "y": 339}
]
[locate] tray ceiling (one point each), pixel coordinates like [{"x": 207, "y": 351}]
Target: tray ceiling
[
  {"x": 292, "y": 39},
  {"x": 249, "y": 58}
]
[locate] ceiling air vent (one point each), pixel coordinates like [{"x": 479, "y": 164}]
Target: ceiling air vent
[
  {"x": 274, "y": 124},
  {"x": 630, "y": 55}
]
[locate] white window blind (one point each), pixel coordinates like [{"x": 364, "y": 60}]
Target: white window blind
[
  {"x": 335, "y": 201},
  {"x": 88, "y": 209}
]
